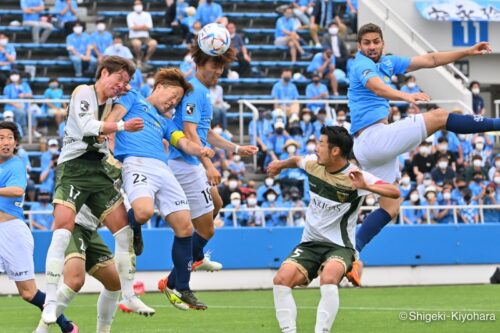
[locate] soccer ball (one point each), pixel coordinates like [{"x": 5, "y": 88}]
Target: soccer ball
[{"x": 214, "y": 39}]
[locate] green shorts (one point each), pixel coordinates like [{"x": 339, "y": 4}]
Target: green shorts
[
  {"x": 81, "y": 182},
  {"x": 310, "y": 257},
  {"x": 89, "y": 246}
]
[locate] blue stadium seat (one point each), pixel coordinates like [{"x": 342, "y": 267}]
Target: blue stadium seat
[{"x": 45, "y": 63}]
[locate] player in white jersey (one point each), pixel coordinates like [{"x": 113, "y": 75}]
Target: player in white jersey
[
  {"x": 327, "y": 247},
  {"x": 85, "y": 177}
]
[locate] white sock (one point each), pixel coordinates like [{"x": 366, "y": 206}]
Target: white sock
[
  {"x": 286, "y": 310},
  {"x": 54, "y": 263},
  {"x": 125, "y": 260},
  {"x": 64, "y": 296},
  {"x": 106, "y": 308},
  {"x": 327, "y": 308}
]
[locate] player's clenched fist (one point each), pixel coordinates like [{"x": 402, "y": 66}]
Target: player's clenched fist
[
  {"x": 207, "y": 152},
  {"x": 134, "y": 125}
]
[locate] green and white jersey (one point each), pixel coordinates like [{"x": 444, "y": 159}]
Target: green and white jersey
[
  {"x": 82, "y": 125},
  {"x": 332, "y": 212},
  {"x": 86, "y": 219}
]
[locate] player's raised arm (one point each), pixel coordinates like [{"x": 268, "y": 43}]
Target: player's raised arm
[
  {"x": 372, "y": 185},
  {"x": 190, "y": 147},
  {"x": 378, "y": 86},
  {"x": 275, "y": 167},
  {"x": 218, "y": 141},
  {"x": 436, "y": 59}
]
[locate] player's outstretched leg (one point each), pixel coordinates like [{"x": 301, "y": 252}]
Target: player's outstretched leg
[
  {"x": 137, "y": 229},
  {"x": 66, "y": 326},
  {"x": 167, "y": 287},
  {"x": 106, "y": 309}
]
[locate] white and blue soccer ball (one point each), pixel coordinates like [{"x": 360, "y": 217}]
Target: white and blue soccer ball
[{"x": 214, "y": 39}]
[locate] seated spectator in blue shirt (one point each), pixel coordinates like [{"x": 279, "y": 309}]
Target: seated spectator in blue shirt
[
  {"x": 469, "y": 215},
  {"x": 236, "y": 218},
  {"x": 79, "y": 46},
  {"x": 17, "y": 89},
  {"x": 286, "y": 35},
  {"x": 55, "y": 109},
  {"x": 442, "y": 171},
  {"x": 431, "y": 214},
  {"x": 42, "y": 221},
  {"x": 101, "y": 40},
  {"x": 209, "y": 12},
  {"x": 48, "y": 164},
  {"x": 405, "y": 186},
  {"x": 244, "y": 68},
  {"x": 285, "y": 91},
  {"x": 306, "y": 123},
  {"x": 274, "y": 218},
  {"x": 276, "y": 142},
  {"x": 446, "y": 214},
  {"x": 465, "y": 144},
  {"x": 413, "y": 216},
  {"x": 495, "y": 166},
  {"x": 252, "y": 218},
  {"x": 237, "y": 166},
  {"x": 269, "y": 183},
  {"x": 316, "y": 90},
  {"x": 410, "y": 86},
  {"x": 147, "y": 87},
  {"x": 477, "y": 100},
  {"x": 309, "y": 147},
  {"x": 180, "y": 9},
  {"x": 66, "y": 11},
  {"x": 477, "y": 186},
  {"x": 492, "y": 197},
  {"x": 7, "y": 58},
  {"x": 321, "y": 121},
  {"x": 32, "y": 18},
  {"x": 118, "y": 49},
  {"x": 323, "y": 65},
  {"x": 188, "y": 67}
]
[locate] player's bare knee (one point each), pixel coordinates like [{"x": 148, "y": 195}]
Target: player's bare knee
[
  {"x": 112, "y": 283},
  {"x": 75, "y": 282},
  {"x": 143, "y": 214},
  {"x": 183, "y": 229},
  {"x": 26, "y": 295}
]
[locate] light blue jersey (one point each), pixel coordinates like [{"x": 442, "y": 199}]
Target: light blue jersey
[
  {"x": 13, "y": 173},
  {"x": 148, "y": 141},
  {"x": 195, "y": 108},
  {"x": 366, "y": 107}
]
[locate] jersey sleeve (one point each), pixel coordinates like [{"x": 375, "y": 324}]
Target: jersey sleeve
[
  {"x": 18, "y": 176},
  {"x": 370, "y": 180},
  {"x": 306, "y": 161},
  {"x": 400, "y": 64},
  {"x": 127, "y": 100},
  {"x": 84, "y": 113},
  {"x": 172, "y": 133},
  {"x": 192, "y": 107},
  {"x": 365, "y": 70}
]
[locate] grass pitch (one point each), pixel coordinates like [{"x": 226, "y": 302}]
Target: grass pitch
[{"x": 443, "y": 309}]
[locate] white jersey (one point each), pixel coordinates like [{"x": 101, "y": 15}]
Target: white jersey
[
  {"x": 86, "y": 219},
  {"x": 83, "y": 125},
  {"x": 332, "y": 212}
]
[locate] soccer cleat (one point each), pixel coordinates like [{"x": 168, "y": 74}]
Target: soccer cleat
[
  {"x": 134, "y": 304},
  {"x": 75, "y": 328},
  {"x": 354, "y": 275},
  {"x": 42, "y": 327},
  {"x": 49, "y": 313},
  {"x": 188, "y": 297},
  {"x": 138, "y": 242},
  {"x": 206, "y": 264},
  {"x": 172, "y": 298}
]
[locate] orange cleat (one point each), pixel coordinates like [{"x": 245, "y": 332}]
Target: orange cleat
[{"x": 354, "y": 275}]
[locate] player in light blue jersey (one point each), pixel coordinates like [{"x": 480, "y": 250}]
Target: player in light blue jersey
[
  {"x": 197, "y": 176},
  {"x": 16, "y": 241},
  {"x": 147, "y": 179},
  {"x": 377, "y": 144}
]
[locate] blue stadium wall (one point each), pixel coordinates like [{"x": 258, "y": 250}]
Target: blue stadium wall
[{"x": 261, "y": 248}]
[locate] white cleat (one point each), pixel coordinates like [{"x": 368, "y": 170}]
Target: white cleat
[
  {"x": 134, "y": 304},
  {"x": 206, "y": 264},
  {"x": 49, "y": 313},
  {"x": 42, "y": 327}
]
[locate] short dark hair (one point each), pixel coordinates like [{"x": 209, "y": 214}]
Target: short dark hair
[
  {"x": 115, "y": 64},
  {"x": 442, "y": 139},
  {"x": 53, "y": 79},
  {"x": 338, "y": 137},
  {"x": 368, "y": 28},
  {"x": 200, "y": 58},
  {"x": 12, "y": 126},
  {"x": 473, "y": 83}
]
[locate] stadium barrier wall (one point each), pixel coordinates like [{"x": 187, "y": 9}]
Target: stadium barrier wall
[{"x": 266, "y": 248}]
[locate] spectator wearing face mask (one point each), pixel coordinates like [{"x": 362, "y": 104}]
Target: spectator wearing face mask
[
  {"x": 477, "y": 100},
  {"x": 237, "y": 166},
  {"x": 309, "y": 147},
  {"x": 492, "y": 197},
  {"x": 276, "y": 142},
  {"x": 66, "y": 12},
  {"x": 306, "y": 124},
  {"x": 17, "y": 89},
  {"x": 333, "y": 41},
  {"x": 54, "y": 109},
  {"x": 494, "y": 168},
  {"x": 405, "y": 185},
  {"x": 410, "y": 85},
  {"x": 426, "y": 182},
  {"x": 285, "y": 34},
  {"x": 413, "y": 216},
  {"x": 323, "y": 65},
  {"x": 445, "y": 215},
  {"x": 295, "y": 131},
  {"x": 252, "y": 218},
  {"x": 477, "y": 186},
  {"x": 49, "y": 166},
  {"x": 479, "y": 149},
  {"x": 140, "y": 24},
  {"x": 7, "y": 58},
  {"x": 231, "y": 185},
  {"x": 79, "y": 46},
  {"x": 284, "y": 91},
  {"x": 452, "y": 140},
  {"x": 341, "y": 120},
  {"x": 431, "y": 214},
  {"x": 442, "y": 171},
  {"x": 469, "y": 215},
  {"x": 316, "y": 90},
  {"x": 244, "y": 68},
  {"x": 237, "y": 217},
  {"x": 442, "y": 148},
  {"x": 274, "y": 218},
  {"x": 32, "y": 18},
  {"x": 269, "y": 183},
  {"x": 118, "y": 49},
  {"x": 101, "y": 40},
  {"x": 422, "y": 163},
  {"x": 321, "y": 120},
  {"x": 476, "y": 166},
  {"x": 42, "y": 221}
]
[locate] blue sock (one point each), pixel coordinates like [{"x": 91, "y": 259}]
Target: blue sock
[
  {"x": 370, "y": 227},
  {"x": 38, "y": 301},
  {"x": 182, "y": 256},
  {"x": 467, "y": 124},
  {"x": 131, "y": 219},
  {"x": 198, "y": 246}
]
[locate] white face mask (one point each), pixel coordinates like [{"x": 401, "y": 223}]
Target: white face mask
[
  {"x": 475, "y": 91},
  {"x": 414, "y": 197},
  {"x": 405, "y": 180},
  {"x": 424, "y": 150},
  {"x": 3, "y": 41},
  {"x": 443, "y": 164},
  {"x": 188, "y": 58},
  {"x": 479, "y": 146},
  {"x": 236, "y": 202},
  {"x": 341, "y": 118},
  {"x": 311, "y": 148},
  {"x": 101, "y": 27},
  {"x": 427, "y": 182},
  {"x": 396, "y": 118},
  {"x": 477, "y": 163},
  {"x": 443, "y": 148},
  {"x": 306, "y": 118},
  {"x": 54, "y": 150},
  {"x": 291, "y": 149},
  {"x": 269, "y": 182},
  {"x": 118, "y": 46},
  {"x": 370, "y": 201},
  {"x": 236, "y": 158},
  {"x": 497, "y": 164},
  {"x": 78, "y": 29},
  {"x": 271, "y": 197},
  {"x": 333, "y": 30},
  {"x": 14, "y": 78},
  {"x": 411, "y": 85},
  {"x": 462, "y": 136},
  {"x": 251, "y": 202},
  {"x": 150, "y": 81},
  {"x": 497, "y": 180},
  {"x": 446, "y": 195},
  {"x": 430, "y": 195},
  {"x": 233, "y": 184},
  {"x": 138, "y": 8},
  {"x": 218, "y": 130}
]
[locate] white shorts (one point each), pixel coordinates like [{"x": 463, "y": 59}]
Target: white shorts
[
  {"x": 152, "y": 178},
  {"x": 194, "y": 181},
  {"x": 377, "y": 148},
  {"x": 16, "y": 250},
  {"x": 282, "y": 41}
]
